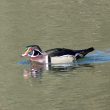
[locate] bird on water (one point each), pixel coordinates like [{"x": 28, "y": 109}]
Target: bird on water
[{"x": 55, "y": 55}]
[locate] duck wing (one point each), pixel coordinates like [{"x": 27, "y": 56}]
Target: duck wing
[
  {"x": 59, "y": 52},
  {"x": 63, "y": 51}
]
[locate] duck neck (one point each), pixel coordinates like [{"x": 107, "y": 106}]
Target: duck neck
[{"x": 41, "y": 59}]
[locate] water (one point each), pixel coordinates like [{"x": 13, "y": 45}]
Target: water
[{"x": 74, "y": 24}]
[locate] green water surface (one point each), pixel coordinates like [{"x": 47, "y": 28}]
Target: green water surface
[{"x": 74, "y": 24}]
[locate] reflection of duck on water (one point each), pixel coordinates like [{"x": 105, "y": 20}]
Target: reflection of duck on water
[
  {"x": 35, "y": 71},
  {"x": 54, "y": 56}
]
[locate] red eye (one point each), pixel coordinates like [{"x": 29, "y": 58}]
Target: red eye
[{"x": 31, "y": 49}]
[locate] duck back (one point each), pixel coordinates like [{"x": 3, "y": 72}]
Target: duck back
[{"x": 63, "y": 51}]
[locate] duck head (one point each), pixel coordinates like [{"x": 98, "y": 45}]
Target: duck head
[{"x": 32, "y": 51}]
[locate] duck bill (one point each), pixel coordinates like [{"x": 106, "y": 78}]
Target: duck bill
[{"x": 26, "y": 53}]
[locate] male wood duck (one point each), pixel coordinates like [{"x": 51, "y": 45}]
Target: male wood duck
[{"x": 54, "y": 56}]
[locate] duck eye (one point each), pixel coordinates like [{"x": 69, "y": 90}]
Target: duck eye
[{"x": 36, "y": 53}]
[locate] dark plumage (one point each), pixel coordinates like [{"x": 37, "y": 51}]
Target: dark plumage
[{"x": 64, "y": 51}]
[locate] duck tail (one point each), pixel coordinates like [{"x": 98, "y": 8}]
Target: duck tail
[
  {"x": 86, "y": 51},
  {"x": 90, "y": 49}
]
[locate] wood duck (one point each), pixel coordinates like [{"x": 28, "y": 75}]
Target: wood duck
[{"x": 54, "y": 56}]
